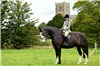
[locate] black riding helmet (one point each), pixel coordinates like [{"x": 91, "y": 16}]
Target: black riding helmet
[{"x": 66, "y": 16}]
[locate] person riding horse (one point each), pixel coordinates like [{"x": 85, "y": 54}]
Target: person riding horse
[
  {"x": 74, "y": 39},
  {"x": 66, "y": 25},
  {"x": 66, "y": 28}
]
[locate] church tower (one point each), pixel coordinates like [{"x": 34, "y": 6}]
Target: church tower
[{"x": 62, "y": 8}]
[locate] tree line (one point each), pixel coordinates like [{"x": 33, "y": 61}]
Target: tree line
[
  {"x": 17, "y": 29},
  {"x": 88, "y": 20}
]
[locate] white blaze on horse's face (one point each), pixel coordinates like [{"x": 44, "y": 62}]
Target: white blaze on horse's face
[{"x": 43, "y": 37}]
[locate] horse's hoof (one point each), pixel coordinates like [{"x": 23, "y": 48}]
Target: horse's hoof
[
  {"x": 85, "y": 63},
  {"x": 57, "y": 63},
  {"x": 79, "y": 62}
]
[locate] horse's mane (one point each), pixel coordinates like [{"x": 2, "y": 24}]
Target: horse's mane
[{"x": 54, "y": 30}]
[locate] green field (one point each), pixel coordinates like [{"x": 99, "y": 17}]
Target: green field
[{"x": 45, "y": 57}]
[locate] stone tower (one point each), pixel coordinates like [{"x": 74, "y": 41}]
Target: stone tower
[{"x": 62, "y": 8}]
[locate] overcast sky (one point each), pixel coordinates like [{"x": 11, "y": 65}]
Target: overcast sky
[{"x": 44, "y": 10}]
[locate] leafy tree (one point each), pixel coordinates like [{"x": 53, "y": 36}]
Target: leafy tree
[
  {"x": 57, "y": 21},
  {"x": 42, "y": 25},
  {"x": 4, "y": 31},
  {"x": 88, "y": 19},
  {"x": 17, "y": 28}
]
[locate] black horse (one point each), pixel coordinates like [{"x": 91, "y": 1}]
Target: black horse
[{"x": 74, "y": 39}]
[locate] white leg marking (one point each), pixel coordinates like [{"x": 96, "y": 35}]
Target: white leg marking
[
  {"x": 57, "y": 59},
  {"x": 86, "y": 59},
  {"x": 80, "y": 59}
]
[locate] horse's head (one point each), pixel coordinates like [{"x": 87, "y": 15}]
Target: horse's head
[{"x": 43, "y": 34}]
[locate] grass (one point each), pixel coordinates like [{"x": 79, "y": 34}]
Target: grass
[{"x": 45, "y": 57}]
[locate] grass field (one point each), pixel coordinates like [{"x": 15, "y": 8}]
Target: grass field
[{"x": 45, "y": 57}]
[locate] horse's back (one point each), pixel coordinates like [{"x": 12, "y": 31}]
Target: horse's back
[
  {"x": 80, "y": 33},
  {"x": 79, "y": 36}
]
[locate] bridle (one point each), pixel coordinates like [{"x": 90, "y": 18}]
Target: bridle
[{"x": 43, "y": 37}]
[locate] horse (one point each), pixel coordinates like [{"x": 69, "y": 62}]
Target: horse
[{"x": 74, "y": 39}]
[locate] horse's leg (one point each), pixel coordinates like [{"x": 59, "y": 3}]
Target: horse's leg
[
  {"x": 80, "y": 54},
  {"x": 58, "y": 55},
  {"x": 85, "y": 50}
]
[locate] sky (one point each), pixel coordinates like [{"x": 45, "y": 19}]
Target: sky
[{"x": 44, "y": 10}]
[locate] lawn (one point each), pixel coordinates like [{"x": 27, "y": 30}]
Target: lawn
[{"x": 45, "y": 57}]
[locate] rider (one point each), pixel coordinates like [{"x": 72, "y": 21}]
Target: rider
[
  {"x": 66, "y": 29},
  {"x": 66, "y": 25}
]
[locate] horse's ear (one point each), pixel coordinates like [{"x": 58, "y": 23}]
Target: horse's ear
[{"x": 40, "y": 29}]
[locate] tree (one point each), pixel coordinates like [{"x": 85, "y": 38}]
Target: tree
[
  {"x": 4, "y": 21},
  {"x": 42, "y": 25},
  {"x": 88, "y": 19},
  {"x": 17, "y": 28},
  {"x": 57, "y": 21}
]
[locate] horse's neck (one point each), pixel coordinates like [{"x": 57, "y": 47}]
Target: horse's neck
[
  {"x": 54, "y": 33},
  {"x": 51, "y": 32}
]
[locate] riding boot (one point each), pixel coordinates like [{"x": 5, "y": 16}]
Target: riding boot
[{"x": 65, "y": 44}]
